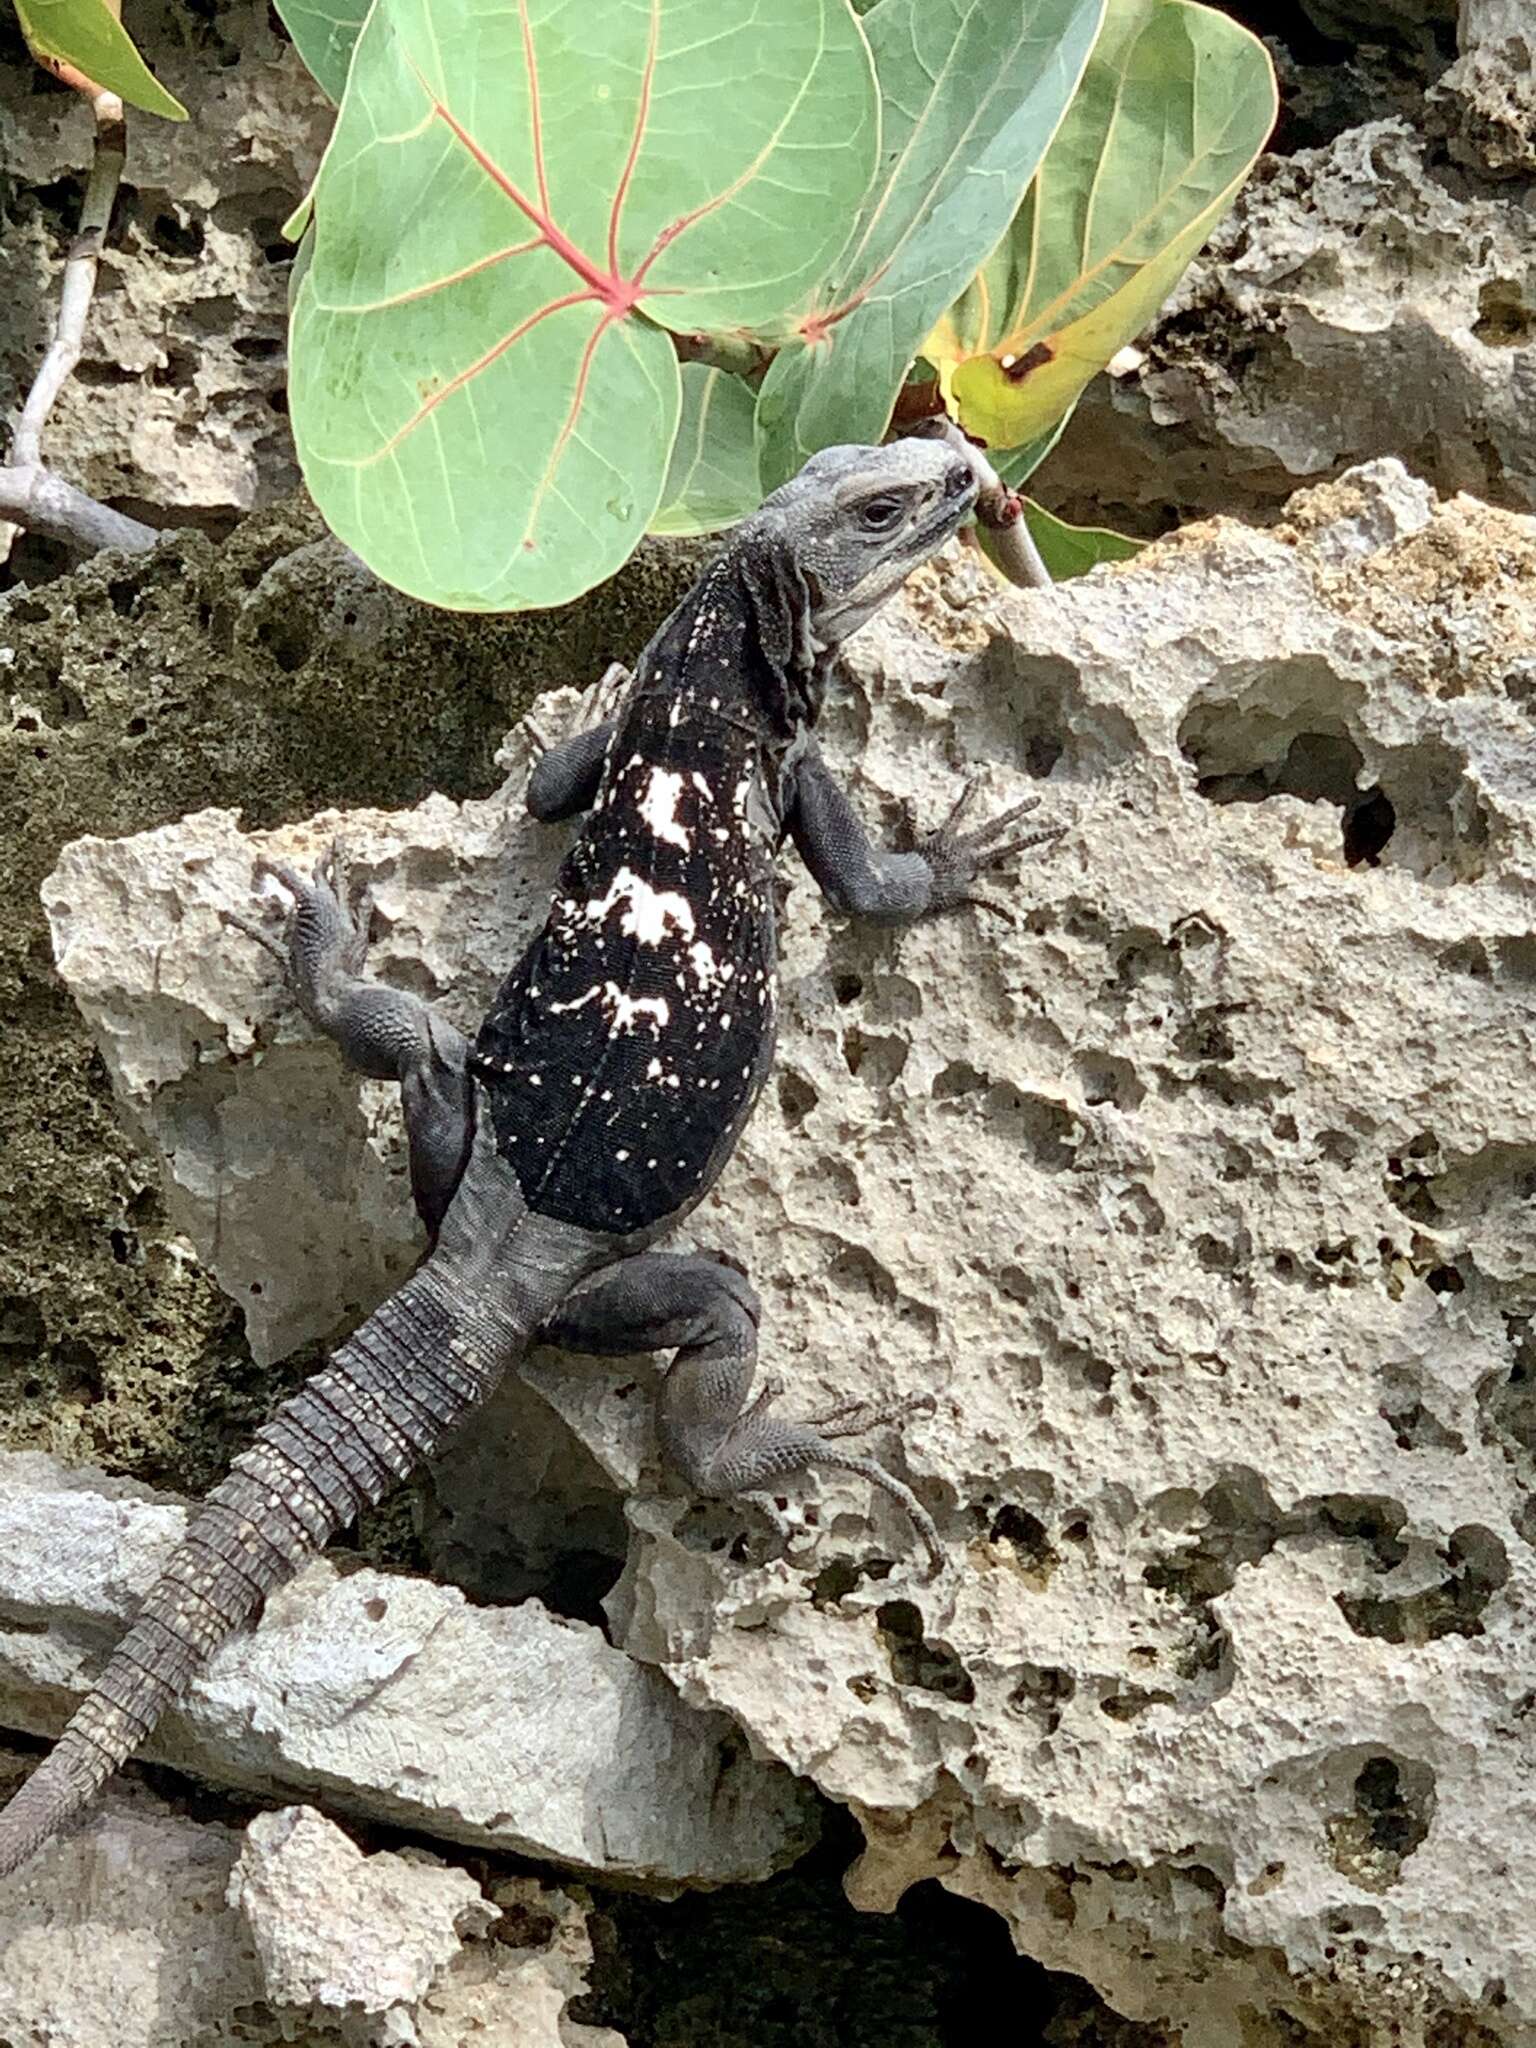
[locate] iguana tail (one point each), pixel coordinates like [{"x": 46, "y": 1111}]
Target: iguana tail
[{"x": 383, "y": 1405}]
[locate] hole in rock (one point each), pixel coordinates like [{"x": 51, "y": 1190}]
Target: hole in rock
[
  {"x": 1317, "y": 766},
  {"x": 1475, "y": 1567},
  {"x": 791, "y": 1964},
  {"x": 933, "y": 1667},
  {"x": 1027, "y": 1535},
  {"x": 1504, "y": 320},
  {"x": 1392, "y": 1806},
  {"x": 797, "y": 1098}
]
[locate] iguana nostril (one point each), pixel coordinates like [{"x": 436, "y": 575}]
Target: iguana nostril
[{"x": 958, "y": 478}]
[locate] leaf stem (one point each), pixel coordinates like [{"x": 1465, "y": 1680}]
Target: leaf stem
[
  {"x": 34, "y": 500},
  {"x": 999, "y": 508}
]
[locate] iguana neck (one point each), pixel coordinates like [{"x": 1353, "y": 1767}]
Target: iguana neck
[{"x": 740, "y": 644}]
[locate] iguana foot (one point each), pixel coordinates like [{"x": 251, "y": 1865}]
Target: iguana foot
[
  {"x": 958, "y": 859},
  {"x": 382, "y": 1032}
]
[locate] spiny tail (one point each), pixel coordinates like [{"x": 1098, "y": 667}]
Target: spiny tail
[{"x": 383, "y": 1405}]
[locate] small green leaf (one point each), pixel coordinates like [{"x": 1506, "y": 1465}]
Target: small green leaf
[
  {"x": 478, "y": 410},
  {"x": 324, "y": 32},
  {"x": 1176, "y": 103},
  {"x": 1073, "y": 550},
  {"x": 87, "y": 36},
  {"x": 712, "y": 481},
  {"x": 971, "y": 93},
  {"x": 296, "y": 226}
]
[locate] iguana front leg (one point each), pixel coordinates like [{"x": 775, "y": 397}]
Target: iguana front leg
[
  {"x": 382, "y": 1032},
  {"x": 565, "y": 777},
  {"x": 711, "y": 1434},
  {"x": 863, "y": 880}
]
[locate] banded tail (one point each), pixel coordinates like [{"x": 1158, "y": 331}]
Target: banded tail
[{"x": 383, "y": 1405}]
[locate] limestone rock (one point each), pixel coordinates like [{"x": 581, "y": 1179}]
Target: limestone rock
[
  {"x": 335, "y": 1929},
  {"x": 146, "y": 1929},
  {"x": 393, "y": 1698},
  {"x": 117, "y": 1936},
  {"x": 1199, "y": 1196},
  {"x": 179, "y": 403},
  {"x": 1491, "y": 88},
  {"x": 1360, "y": 300}
]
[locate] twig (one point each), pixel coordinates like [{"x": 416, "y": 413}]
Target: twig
[
  {"x": 30, "y": 495},
  {"x": 734, "y": 352},
  {"x": 999, "y": 508},
  {"x": 36, "y": 501}
]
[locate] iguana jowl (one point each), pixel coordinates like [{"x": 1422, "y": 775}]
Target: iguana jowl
[{"x": 603, "y": 1094}]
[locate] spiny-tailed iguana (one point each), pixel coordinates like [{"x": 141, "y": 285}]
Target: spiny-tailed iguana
[{"x": 604, "y": 1092}]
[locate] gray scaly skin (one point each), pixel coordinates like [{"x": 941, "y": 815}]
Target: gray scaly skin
[{"x": 603, "y": 1094}]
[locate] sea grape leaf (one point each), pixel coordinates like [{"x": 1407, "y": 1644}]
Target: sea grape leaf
[
  {"x": 1175, "y": 104},
  {"x": 1073, "y": 550},
  {"x": 712, "y": 481},
  {"x": 88, "y": 37},
  {"x": 971, "y": 92},
  {"x": 518, "y": 196},
  {"x": 324, "y": 33}
]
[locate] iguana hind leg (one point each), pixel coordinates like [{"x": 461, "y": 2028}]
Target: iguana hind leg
[
  {"x": 717, "y": 1439},
  {"x": 385, "y": 1033}
]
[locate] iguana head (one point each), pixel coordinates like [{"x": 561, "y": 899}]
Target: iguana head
[{"x": 857, "y": 521}]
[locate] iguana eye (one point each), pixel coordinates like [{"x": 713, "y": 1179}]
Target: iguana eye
[{"x": 879, "y": 515}]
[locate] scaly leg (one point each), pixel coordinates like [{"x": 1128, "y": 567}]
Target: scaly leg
[
  {"x": 382, "y": 1032},
  {"x": 939, "y": 872},
  {"x": 718, "y": 1440},
  {"x": 565, "y": 778}
]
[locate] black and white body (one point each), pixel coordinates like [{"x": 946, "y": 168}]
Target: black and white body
[{"x": 604, "y": 1092}]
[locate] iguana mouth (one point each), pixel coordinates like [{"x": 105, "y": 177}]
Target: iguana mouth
[{"x": 952, "y": 511}]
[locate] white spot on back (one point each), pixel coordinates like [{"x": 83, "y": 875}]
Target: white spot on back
[
  {"x": 650, "y": 913},
  {"x": 658, "y": 807}
]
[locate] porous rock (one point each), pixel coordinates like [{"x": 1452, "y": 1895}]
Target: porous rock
[
  {"x": 148, "y": 1929},
  {"x": 395, "y": 1699},
  {"x": 1198, "y": 1196},
  {"x": 179, "y": 403},
  {"x": 336, "y": 1929},
  {"x": 1491, "y": 88}
]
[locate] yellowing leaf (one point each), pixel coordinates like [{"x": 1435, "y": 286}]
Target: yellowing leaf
[{"x": 1175, "y": 104}]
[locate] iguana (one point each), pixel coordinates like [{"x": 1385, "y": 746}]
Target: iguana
[{"x": 604, "y": 1092}]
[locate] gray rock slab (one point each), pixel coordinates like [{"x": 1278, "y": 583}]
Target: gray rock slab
[
  {"x": 144, "y": 1928},
  {"x": 396, "y": 1699}
]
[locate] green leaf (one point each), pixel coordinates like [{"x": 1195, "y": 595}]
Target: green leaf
[
  {"x": 478, "y": 409},
  {"x": 712, "y": 481},
  {"x": 324, "y": 32},
  {"x": 1176, "y": 103},
  {"x": 1073, "y": 550},
  {"x": 86, "y": 35},
  {"x": 296, "y": 226},
  {"x": 971, "y": 93}
]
